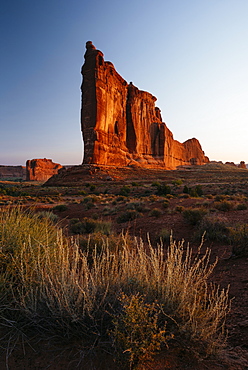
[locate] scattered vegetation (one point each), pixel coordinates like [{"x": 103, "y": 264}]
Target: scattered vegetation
[
  {"x": 128, "y": 215},
  {"x": 214, "y": 227},
  {"x": 239, "y": 239},
  {"x": 139, "y": 298},
  {"x": 89, "y": 225},
  {"x": 194, "y": 216},
  {"x": 60, "y": 208}
]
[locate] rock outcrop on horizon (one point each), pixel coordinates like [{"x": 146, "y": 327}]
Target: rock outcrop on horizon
[
  {"x": 41, "y": 169},
  {"x": 242, "y": 165},
  {"x": 121, "y": 125}
]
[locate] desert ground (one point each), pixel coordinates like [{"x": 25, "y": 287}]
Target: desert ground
[{"x": 208, "y": 201}]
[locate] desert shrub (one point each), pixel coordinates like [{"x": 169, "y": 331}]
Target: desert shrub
[
  {"x": 164, "y": 235},
  {"x": 163, "y": 189},
  {"x": 89, "y": 225},
  {"x": 177, "y": 182},
  {"x": 60, "y": 208},
  {"x": 214, "y": 227},
  {"x": 109, "y": 210},
  {"x": 121, "y": 198},
  {"x": 241, "y": 207},
  {"x": 82, "y": 192},
  {"x": 166, "y": 203},
  {"x": 134, "y": 183},
  {"x": 51, "y": 288},
  {"x": 156, "y": 212},
  {"x": 199, "y": 190},
  {"x": 193, "y": 216},
  {"x": 184, "y": 195},
  {"x": 18, "y": 227},
  {"x": 92, "y": 187},
  {"x": 179, "y": 209},
  {"x": 124, "y": 191},
  {"x": 238, "y": 237},
  {"x": 220, "y": 197},
  {"x": 128, "y": 215},
  {"x": 11, "y": 190},
  {"x": 49, "y": 215},
  {"x": 156, "y": 183},
  {"x": 138, "y": 206},
  {"x": 223, "y": 206},
  {"x": 193, "y": 192},
  {"x": 136, "y": 335},
  {"x": 90, "y": 199},
  {"x": 186, "y": 189}
]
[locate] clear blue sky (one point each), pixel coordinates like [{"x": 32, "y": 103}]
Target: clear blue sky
[{"x": 191, "y": 54}]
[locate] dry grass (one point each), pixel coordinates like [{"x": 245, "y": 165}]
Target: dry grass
[{"x": 47, "y": 284}]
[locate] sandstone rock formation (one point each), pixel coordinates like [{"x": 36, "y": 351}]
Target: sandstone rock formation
[
  {"x": 41, "y": 169},
  {"x": 122, "y": 126},
  {"x": 242, "y": 165}
]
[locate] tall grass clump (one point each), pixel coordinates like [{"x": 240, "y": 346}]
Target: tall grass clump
[{"x": 54, "y": 288}]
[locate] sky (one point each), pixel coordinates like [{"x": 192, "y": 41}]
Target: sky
[{"x": 191, "y": 54}]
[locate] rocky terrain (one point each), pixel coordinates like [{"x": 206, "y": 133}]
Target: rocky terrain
[{"x": 155, "y": 203}]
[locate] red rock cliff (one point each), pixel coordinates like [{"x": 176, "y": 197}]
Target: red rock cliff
[
  {"x": 121, "y": 124},
  {"x": 41, "y": 169}
]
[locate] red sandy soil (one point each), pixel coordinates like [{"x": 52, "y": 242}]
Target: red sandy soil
[{"x": 230, "y": 270}]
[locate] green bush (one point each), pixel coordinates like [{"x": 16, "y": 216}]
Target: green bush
[
  {"x": 241, "y": 207},
  {"x": 156, "y": 212},
  {"x": 238, "y": 237},
  {"x": 185, "y": 189},
  {"x": 82, "y": 192},
  {"x": 124, "y": 191},
  {"x": 137, "y": 335},
  {"x": 163, "y": 189},
  {"x": 214, "y": 227},
  {"x": 179, "y": 209},
  {"x": 224, "y": 206},
  {"x": 177, "y": 182},
  {"x": 194, "y": 216},
  {"x": 89, "y": 225},
  {"x": 127, "y": 216},
  {"x": 60, "y": 208},
  {"x": 166, "y": 203}
]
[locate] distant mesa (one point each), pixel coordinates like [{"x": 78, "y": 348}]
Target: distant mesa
[
  {"x": 41, "y": 169},
  {"x": 12, "y": 172},
  {"x": 121, "y": 125}
]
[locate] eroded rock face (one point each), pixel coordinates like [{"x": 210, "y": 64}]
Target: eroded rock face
[
  {"x": 122, "y": 126},
  {"x": 41, "y": 169}
]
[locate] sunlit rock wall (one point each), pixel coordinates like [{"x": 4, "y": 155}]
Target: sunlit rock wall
[{"x": 122, "y": 126}]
